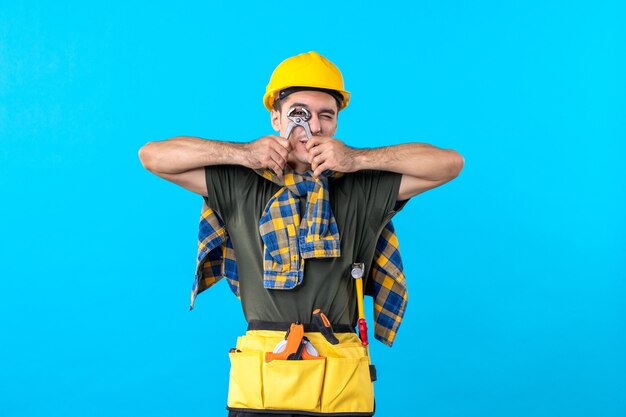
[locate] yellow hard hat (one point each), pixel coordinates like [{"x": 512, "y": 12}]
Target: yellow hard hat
[{"x": 310, "y": 70}]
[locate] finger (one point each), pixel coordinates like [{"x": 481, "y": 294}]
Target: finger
[
  {"x": 316, "y": 161},
  {"x": 283, "y": 151},
  {"x": 317, "y": 150},
  {"x": 284, "y": 143},
  {"x": 313, "y": 165},
  {"x": 277, "y": 169},
  {"x": 319, "y": 154},
  {"x": 276, "y": 139},
  {"x": 319, "y": 160},
  {"x": 313, "y": 142},
  {"x": 320, "y": 170},
  {"x": 278, "y": 159},
  {"x": 276, "y": 146}
]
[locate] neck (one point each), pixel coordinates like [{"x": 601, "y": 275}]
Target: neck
[{"x": 299, "y": 167}]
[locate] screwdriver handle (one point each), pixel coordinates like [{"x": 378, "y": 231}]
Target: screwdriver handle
[{"x": 324, "y": 326}]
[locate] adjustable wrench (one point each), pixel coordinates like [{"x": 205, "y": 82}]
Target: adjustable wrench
[{"x": 300, "y": 118}]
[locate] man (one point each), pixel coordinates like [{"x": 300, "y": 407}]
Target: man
[{"x": 286, "y": 219}]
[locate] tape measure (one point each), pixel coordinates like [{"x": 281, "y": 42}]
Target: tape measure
[{"x": 310, "y": 349}]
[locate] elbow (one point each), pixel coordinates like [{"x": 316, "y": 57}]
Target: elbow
[
  {"x": 147, "y": 156},
  {"x": 456, "y": 162}
]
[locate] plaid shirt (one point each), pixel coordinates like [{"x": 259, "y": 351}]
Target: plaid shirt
[{"x": 288, "y": 241}]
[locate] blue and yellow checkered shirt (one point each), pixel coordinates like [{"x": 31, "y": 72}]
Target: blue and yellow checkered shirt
[{"x": 289, "y": 240}]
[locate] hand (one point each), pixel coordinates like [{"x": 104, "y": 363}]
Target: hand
[
  {"x": 267, "y": 152},
  {"x": 332, "y": 154}
]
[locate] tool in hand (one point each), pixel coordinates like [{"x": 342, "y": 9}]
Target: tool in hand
[
  {"x": 298, "y": 116},
  {"x": 324, "y": 326},
  {"x": 357, "y": 273}
]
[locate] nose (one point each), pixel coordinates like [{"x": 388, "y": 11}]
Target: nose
[{"x": 315, "y": 125}]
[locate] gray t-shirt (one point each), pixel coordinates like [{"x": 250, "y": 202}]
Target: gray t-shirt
[{"x": 362, "y": 202}]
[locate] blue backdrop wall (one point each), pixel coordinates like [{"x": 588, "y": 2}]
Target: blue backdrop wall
[{"x": 517, "y": 269}]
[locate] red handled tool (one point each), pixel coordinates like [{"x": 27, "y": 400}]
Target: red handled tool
[{"x": 358, "y": 269}]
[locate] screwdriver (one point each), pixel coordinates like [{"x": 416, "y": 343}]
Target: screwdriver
[{"x": 323, "y": 324}]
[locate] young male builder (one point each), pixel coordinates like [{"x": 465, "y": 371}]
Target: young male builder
[{"x": 285, "y": 219}]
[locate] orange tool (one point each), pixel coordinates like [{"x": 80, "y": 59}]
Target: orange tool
[
  {"x": 324, "y": 326},
  {"x": 295, "y": 348}
]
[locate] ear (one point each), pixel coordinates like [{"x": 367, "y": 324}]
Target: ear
[{"x": 275, "y": 118}]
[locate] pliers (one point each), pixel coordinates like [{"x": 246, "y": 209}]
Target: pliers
[{"x": 300, "y": 118}]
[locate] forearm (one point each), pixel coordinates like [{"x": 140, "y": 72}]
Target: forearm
[
  {"x": 418, "y": 160},
  {"x": 181, "y": 154}
]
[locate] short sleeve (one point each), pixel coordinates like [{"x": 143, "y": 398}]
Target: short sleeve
[
  {"x": 226, "y": 184},
  {"x": 379, "y": 192}
]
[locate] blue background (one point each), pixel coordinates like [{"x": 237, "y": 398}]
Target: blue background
[{"x": 517, "y": 269}]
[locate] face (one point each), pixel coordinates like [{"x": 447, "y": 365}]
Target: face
[{"x": 323, "y": 122}]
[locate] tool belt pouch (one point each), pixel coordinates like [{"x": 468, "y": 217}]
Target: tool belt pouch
[{"x": 339, "y": 382}]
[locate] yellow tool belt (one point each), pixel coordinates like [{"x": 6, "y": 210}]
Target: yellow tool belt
[{"x": 340, "y": 382}]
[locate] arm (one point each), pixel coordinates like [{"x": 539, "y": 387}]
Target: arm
[
  {"x": 422, "y": 166},
  {"x": 182, "y": 159}
]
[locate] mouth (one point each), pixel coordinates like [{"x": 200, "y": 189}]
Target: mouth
[{"x": 302, "y": 139}]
